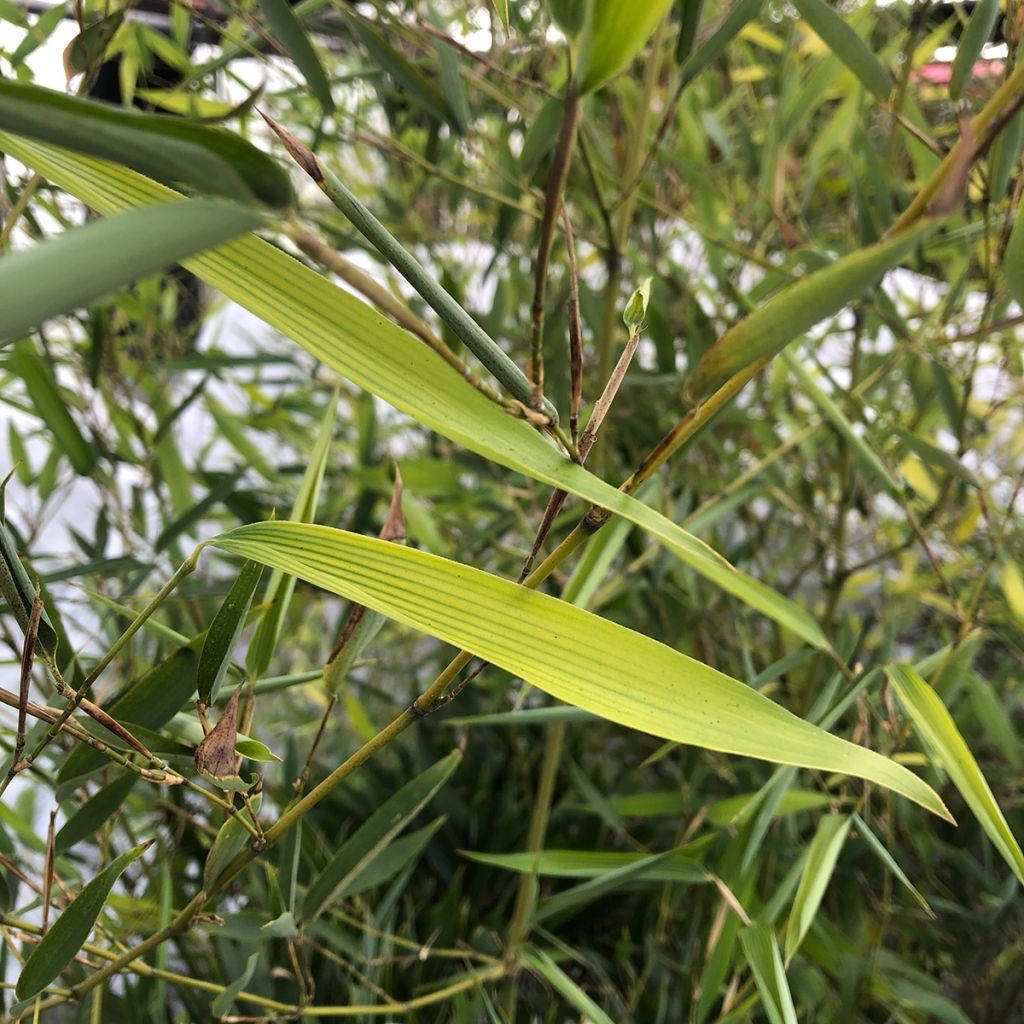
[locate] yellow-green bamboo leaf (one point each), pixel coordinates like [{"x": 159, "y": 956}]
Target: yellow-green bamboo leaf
[
  {"x": 784, "y": 318},
  {"x": 614, "y": 33},
  {"x": 572, "y": 654},
  {"x": 363, "y": 345},
  {"x": 936, "y": 726}
]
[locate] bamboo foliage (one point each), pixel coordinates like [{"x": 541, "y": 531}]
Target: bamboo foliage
[{"x": 641, "y": 511}]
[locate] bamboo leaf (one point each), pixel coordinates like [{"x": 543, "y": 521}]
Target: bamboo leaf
[
  {"x": 847, "y": 45},
  {"x": 890, "y": 862},
  {"x": 229, "y": 841},
  {"x": 540, "y": 962},
  {"x": 762, "y": 953},
  {"x": 821, "y": 860},
  {"x": 614, "y": 33},
  {"x": 168, "y": 149},
  {"x": 714, "y": 46},
  {"x": 501, "y": 6},
  {"x": 224, "y": 631},
  {"x": 371, "y": 839},
  {"x": 290, "y": 36},
  {"x": 560, "y": 907},
  {"x": 1013, "y": 260},
  {"x": 784, "y": 318},
  {"x": 573, "y": 655},
  {"x": 675, "y": 867},
  {"x": 85, "y": 264},
  {"x": 948, "y": 748},
  {"x": 357, "y": 342},
  {"x": 95, "y": 812},
  {"x": 51, "y": 406},
  {"x": 974, "y": 37},
  {"x": 67, "y": 936},
  {"x": 221, "y": 1006}
]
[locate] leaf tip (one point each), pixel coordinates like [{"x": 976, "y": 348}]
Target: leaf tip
[{"x": 299, "y": 152}]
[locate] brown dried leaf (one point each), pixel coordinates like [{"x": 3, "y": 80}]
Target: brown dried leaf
[{"x": 216, "y": 754}]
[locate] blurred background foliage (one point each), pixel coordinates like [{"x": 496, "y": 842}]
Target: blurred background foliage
[{"x": 738, "y": 152}]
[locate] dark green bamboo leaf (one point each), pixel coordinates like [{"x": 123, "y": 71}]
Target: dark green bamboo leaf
[
  {"x": 68, "y": 934},
  {"x": 974, "y": 37},
  {"x": 689, "y": 13},
  {"x": 224, "y": 631},
  {"x": 452, "y": 87},
  {"x": 289, "y": 35},
  {"x": 86, "y": 263},
  {"x": 391, "y": 860},
  {"x": 95, "y": 812},
  {"x": 542, "y": 964},
  {"x": 847, "y": 45},
  {"x": 50, "y": 405},
  {"x": 371, "y": 839},
  {"x": 540, "y": 136},
  {"x": 221, "y": 1006},
  {"x": 559, "y": 908},
  {"x": 168, "y": 149},
  {"x": 415, "y": 86},
  {"x": 714, "y": 46},
  {"x": 87, "y": 48}
]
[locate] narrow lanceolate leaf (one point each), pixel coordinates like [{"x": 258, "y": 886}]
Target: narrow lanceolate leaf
[
  {"x": 541, "y": 963},
  {"x": 67, "y": 936},
  {"x": 614, "y": 34},
  {"x": 784, "y": 318},
  {"x": 676, "y": 867},
  {"x": 1013, "y": 260},
  {"x": 714, "y": 46},
  {"x": 570, "y": 653},
  {"x": 95, "y": 812},
  {"x": 762, "y": 953},
  {"x": 356, "y": 855},
  {"x": 501, "y": 6},
  {"x": 355, "y": 341},
  {"x": 289, "y": 35},
  {"x": 843, "y": 41},
  {"x": 948, "y": 748},
  {"x": 85, "y": 264},
  {"x": 51, "y": 406},
  {"x": 974, "y": 37},
  {"x": 821, "y": 861},
  {"x": 168, "y": 149},
  {"x": 224, "y": 631},
  {"x": 228, "y": 843}
]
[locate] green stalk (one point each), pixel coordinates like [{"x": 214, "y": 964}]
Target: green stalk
[{"x": 472, "y": 335}]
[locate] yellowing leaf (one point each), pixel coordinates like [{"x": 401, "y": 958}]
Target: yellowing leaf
[
  {"x": 572, "y": 654},
  {"x": 948, "y": 748}
]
